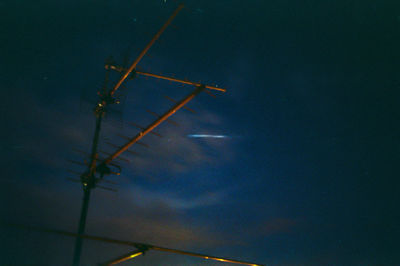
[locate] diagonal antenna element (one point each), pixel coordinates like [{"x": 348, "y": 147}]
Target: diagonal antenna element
[
  {"x": 134, "y": 64},
  {"x": 153, "y": 125}
]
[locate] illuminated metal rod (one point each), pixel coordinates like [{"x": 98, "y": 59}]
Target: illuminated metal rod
[
  {"x": 172, "y": 100},
  {"x": 153, "y": 125},
  {"x": 134, "y": 64},
  {"x": 168, "y": 121},
  {"x": 203, "y": 256},
  {"x": 123, "y": 258},
  {"x": 178, "y": 80},
  {"x": 142, "y": 247},
  {"x": 134, "y": 254},
  {"x": 140, "y": 127},
  {"x": 121, "y": 69}
]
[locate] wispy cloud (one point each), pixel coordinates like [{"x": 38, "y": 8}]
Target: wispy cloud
[
  {"x": 270, "y": 226},
  {"x": 146, "y": 197},
  {"x": 155, "y": 217},
  {"x": 277, "y": 226},
  {"x": 175, "y": 153},
  {"x": 52, "y": 134},
  {"x": 44, "y": 135}
]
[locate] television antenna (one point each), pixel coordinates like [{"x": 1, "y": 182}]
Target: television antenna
[{"x": 98, "y": 168}]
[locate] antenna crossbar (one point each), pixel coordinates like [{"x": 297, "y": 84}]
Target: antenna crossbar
[{"x": 188, "y": 82}]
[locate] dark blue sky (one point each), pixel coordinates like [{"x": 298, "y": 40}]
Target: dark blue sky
[{"x": 307, "y": 175}]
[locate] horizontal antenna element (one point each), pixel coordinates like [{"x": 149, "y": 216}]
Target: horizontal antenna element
[{"x": 147, "y": 74}]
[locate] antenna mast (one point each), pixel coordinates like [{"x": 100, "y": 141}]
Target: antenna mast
[
  {"x": 88, "y": 178},
  {"x": 98, "y": 168}
]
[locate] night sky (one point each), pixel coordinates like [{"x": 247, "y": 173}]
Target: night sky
[{"x": 306, "y": 175}]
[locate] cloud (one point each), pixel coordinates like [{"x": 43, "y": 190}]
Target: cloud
[
  {"x": 47, "y": 136},
  {"x": 146, "y": 197},
  {"x": 135, "y": 217},
  {"x": 44, "y": 135},
  {"x": 277, "y": 226},
  {"x": 134, "y": 214},
  {"x": 155, "y": 217},
  {"x": 175, "y": 153},
  {"x": 166, "y": 232}
]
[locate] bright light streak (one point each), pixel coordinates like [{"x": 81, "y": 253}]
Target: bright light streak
[
  {"x": 125, "y": 258},
  {"x": 135, "y": 255},
  {"x": 207, "y": 136}
]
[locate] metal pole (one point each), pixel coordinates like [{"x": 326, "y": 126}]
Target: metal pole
[
  {"x": 82, "y": 224},
  {"x": 99, "y": 111},
  {"x": 88, "y": 182},
  {"x": 88, "y": 178}
]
